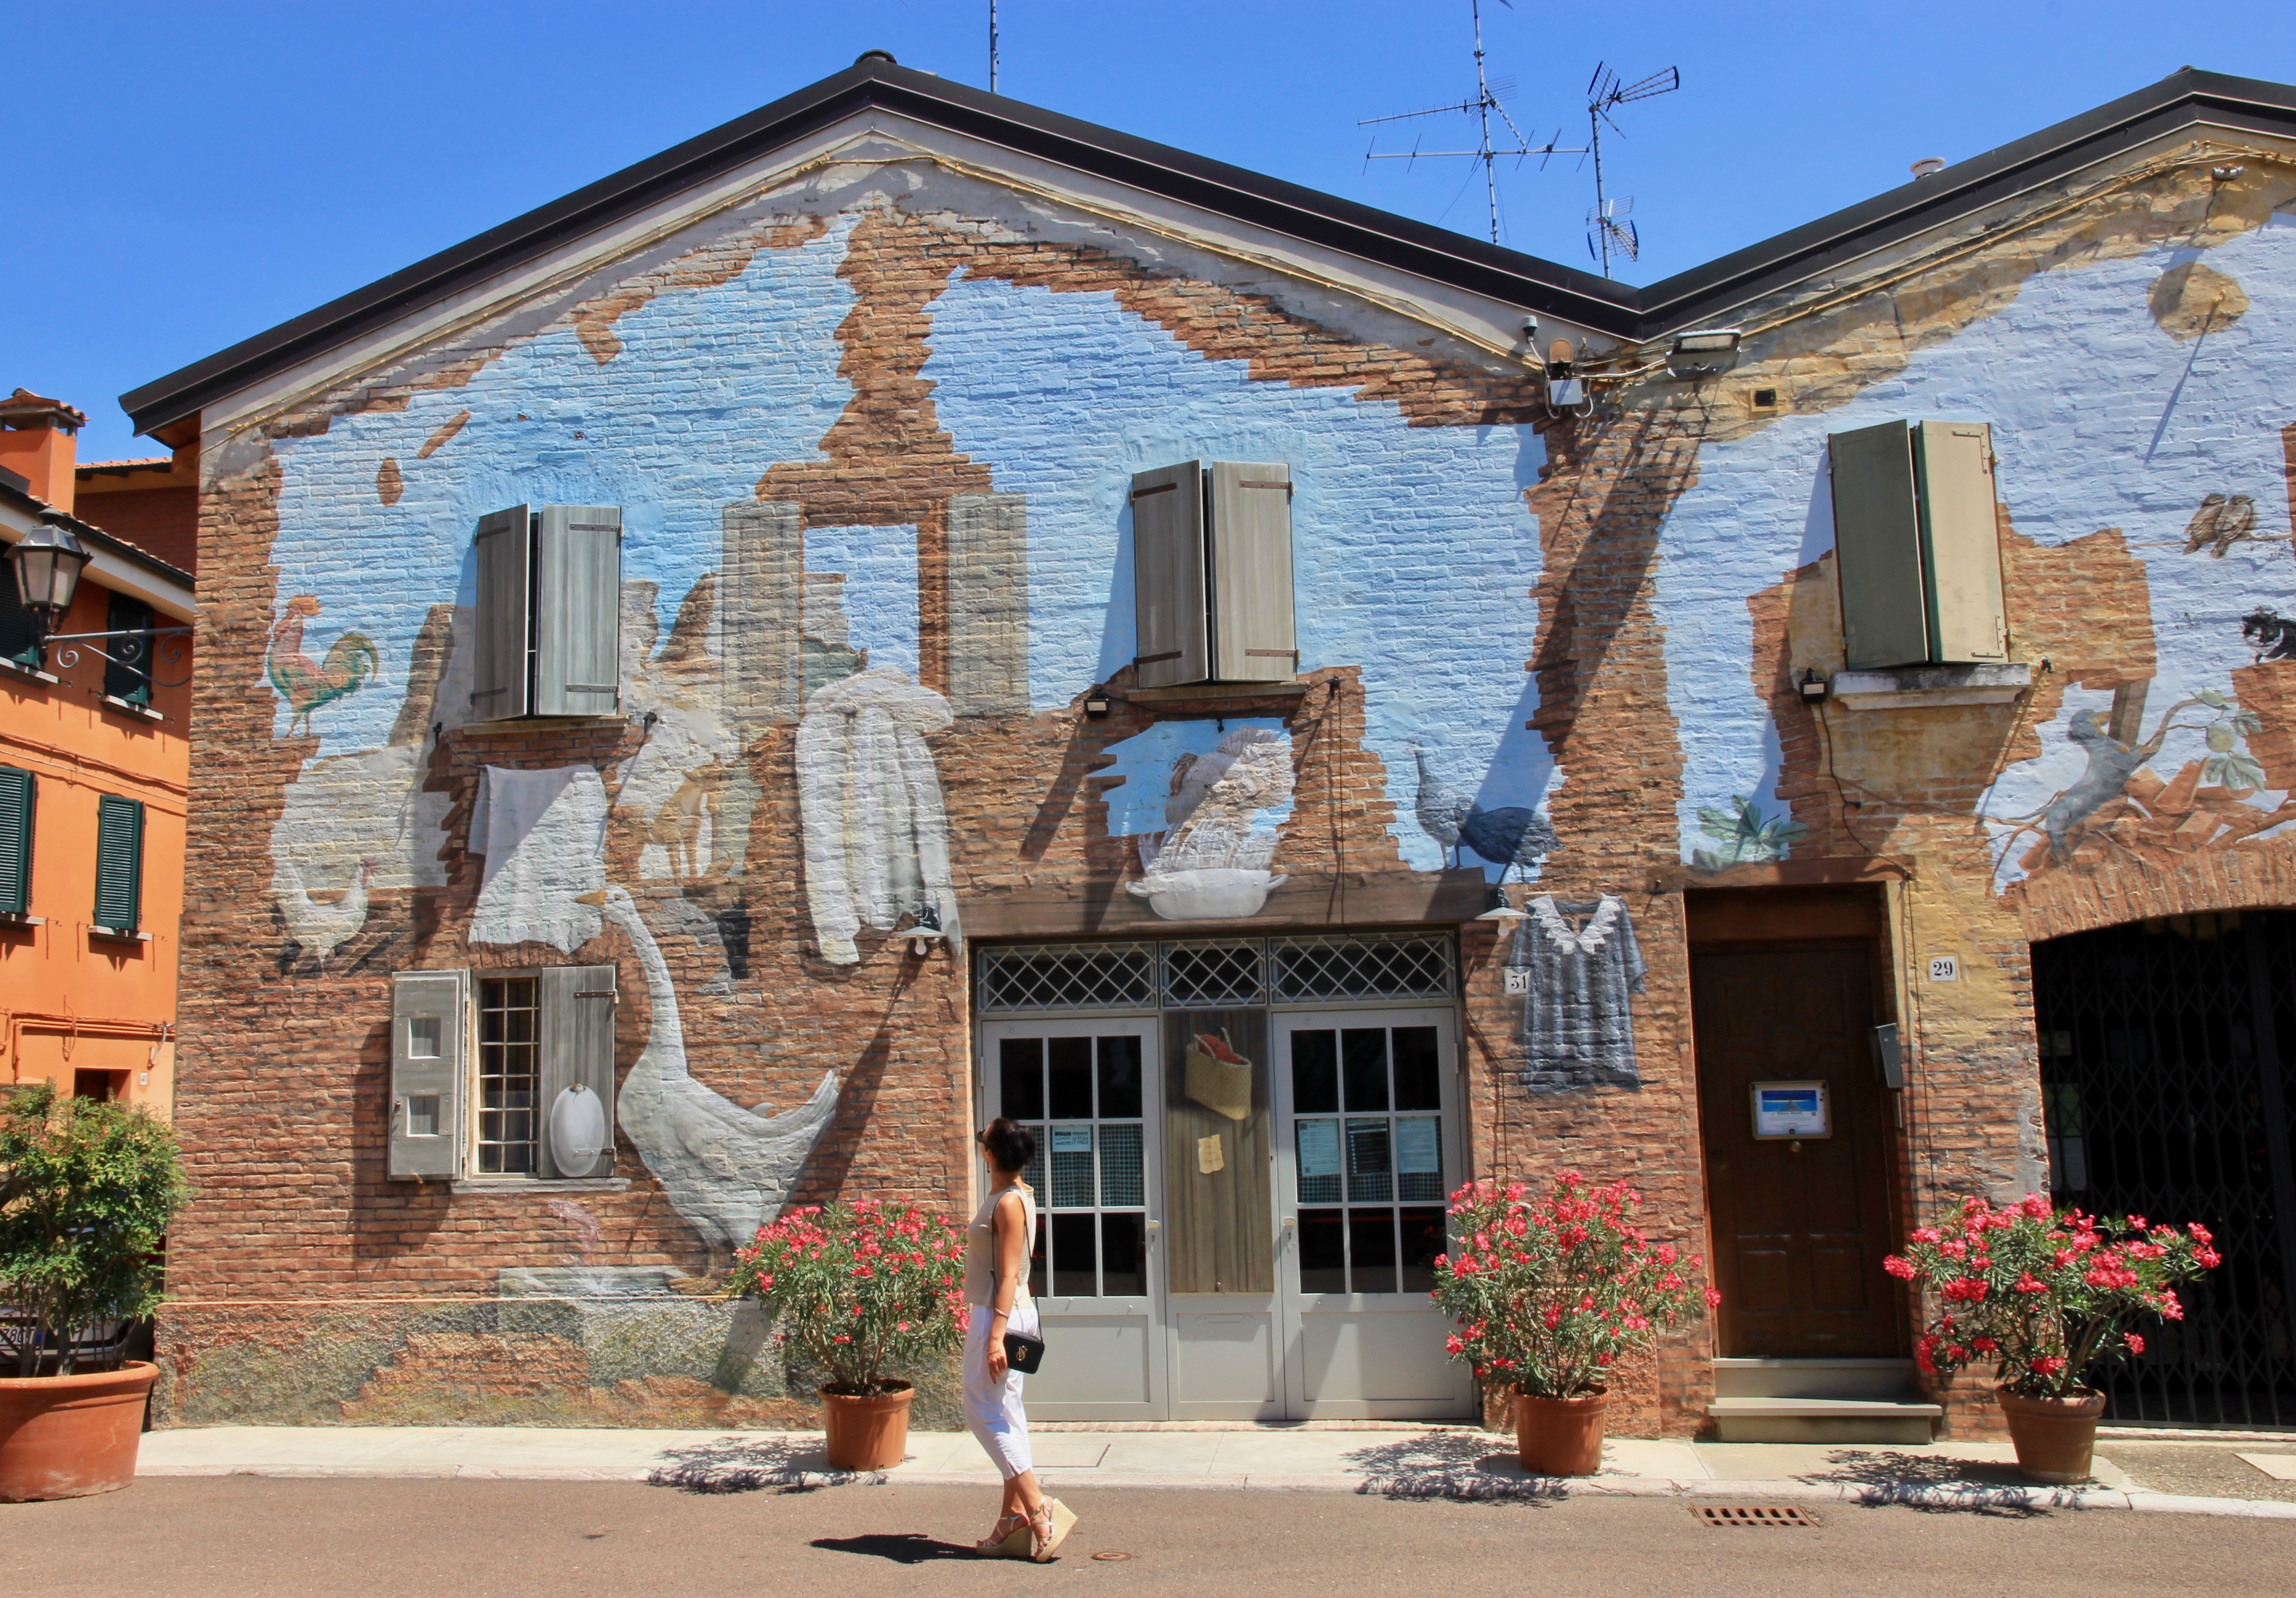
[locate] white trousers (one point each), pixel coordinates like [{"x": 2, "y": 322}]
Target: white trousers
[{"x": 992, "y": 1409}]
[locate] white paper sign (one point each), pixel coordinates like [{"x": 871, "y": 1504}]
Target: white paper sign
[
  {"x": 1072, "y": 1140},
  {"x": 1319, "y": 1149},
  {"x": 1791, "y": 1110},
  {"x": 1417, "y": 1148}
]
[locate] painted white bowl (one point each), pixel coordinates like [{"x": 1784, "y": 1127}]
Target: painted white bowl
[
  {"x": 577, "y": 1130},
  {"x": 1210, "y": 894}
]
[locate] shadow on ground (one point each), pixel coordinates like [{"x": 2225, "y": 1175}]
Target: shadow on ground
[
  {"x": 1450, "y": 1464},
  {"x": 736, "y": 1464},
  {"x": 1925, "y": 1481},
  {"x": 901, "y": 1547}
]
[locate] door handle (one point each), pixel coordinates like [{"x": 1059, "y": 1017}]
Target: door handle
[{"x": 1285, "y": 1222}]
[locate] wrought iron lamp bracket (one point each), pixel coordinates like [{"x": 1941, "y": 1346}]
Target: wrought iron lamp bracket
[{"x": 132, "y": 644}]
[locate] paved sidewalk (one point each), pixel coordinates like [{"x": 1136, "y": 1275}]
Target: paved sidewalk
[{"x": 1435, "y": 1462}]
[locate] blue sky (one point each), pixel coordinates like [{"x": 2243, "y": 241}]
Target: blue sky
[{"x": 195, "y": 174}]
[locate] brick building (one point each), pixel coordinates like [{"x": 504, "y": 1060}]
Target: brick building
[{"x": 909, "y": 608}]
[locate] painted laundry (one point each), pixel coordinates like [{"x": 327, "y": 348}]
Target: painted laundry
[
  {"x": 1577, "y": 1025},
  {"x": 876, "y": 830},
  {"x": 544, "y": 835}
]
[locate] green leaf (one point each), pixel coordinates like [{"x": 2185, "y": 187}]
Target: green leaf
[
  {"x": 2249, "y": 722},
  {"x": 2219, "y": 737},
  {"x": 2250, "y": 771},
  {"x": 2212, "y": 699}
]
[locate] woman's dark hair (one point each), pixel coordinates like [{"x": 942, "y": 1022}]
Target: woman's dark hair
[{"x": 1013, "y": 1148}]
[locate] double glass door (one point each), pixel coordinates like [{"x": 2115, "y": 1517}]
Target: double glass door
[{"x": 1239, "y": 1210}]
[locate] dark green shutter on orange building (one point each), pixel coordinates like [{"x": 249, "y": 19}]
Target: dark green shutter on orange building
[
  {"x": 118, "y": 864},
  {"x": 17, "y": 794}
]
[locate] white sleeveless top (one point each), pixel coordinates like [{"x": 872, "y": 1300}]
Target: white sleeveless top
[{"x": 981, "y": 1249}]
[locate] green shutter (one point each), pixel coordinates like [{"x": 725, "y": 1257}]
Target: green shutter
[
  {"x": 118, "y": 864},
  {"x": 19, "y": 636},
  {"x": 131, "y": 681},
  {"x": 17, "y": 793}
]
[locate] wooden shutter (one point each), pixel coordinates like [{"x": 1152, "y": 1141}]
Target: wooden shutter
[
  {"x": 118, "y": 864},
  {"x": 18, "y": 793},
  {"x": 132, "y": 683},
  {"x": 430, "y": 1069},
  {"x": 1168, "y": 575},
  {"x": 761, "y": 591},
  {"x": 1252, "y": 636},
  {"x": 1961, "y": 541},
  {"x": 504, "y": 618},
  {"x": 577, "y": 1046},
  {"x": 988, "y": 604},
  {"x": 1877, "y": 548},
  {"x": 577, "y": 611},
  {"x": 19, "y": 636}
]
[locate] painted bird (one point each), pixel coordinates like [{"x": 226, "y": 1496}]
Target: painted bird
[
  {"x": 351, "y": 660},
  {"x": 1510, "y": 836},
  {"x": 2220, "y": 524}
]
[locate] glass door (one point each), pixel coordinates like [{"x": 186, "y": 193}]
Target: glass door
[
  {"x": 1086, "y": 1089},
  {"x": 1367, "y": 1148}
]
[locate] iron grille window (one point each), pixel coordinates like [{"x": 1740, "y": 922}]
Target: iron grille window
[
  {"x": 1208, "y": 975},
  {"x": 1404, "y": 966},
  {"x": 1079, "y": 976},
  {"x": 2166, "y": 1093},
  {"x": 510, "y": 1070}
]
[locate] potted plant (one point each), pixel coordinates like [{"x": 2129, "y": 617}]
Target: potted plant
[
  {"x": 1548, "y": 1295},
  {"x": 863, "y": 1294},
  {"x": 2046, "y": 1295},
  {"x": 86, "y": 1191}
]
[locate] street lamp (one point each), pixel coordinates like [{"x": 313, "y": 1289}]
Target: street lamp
[{"x": 48, "y": 561}]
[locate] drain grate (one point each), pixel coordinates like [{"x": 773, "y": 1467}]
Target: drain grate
[{"x": 1755, "y": 1514}]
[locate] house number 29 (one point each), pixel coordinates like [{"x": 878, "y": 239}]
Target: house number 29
[{"x": 1945, "y": 968}]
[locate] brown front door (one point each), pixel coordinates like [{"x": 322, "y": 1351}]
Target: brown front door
[{"x": 1799, "y": 1225}]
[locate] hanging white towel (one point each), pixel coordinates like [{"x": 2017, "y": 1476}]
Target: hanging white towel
[
  {"x": 544, "y": 835},
  {"x": 876, "y": 829}
]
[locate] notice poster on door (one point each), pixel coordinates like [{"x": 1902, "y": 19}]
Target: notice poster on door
[{"x": 1795, "y": 1109}]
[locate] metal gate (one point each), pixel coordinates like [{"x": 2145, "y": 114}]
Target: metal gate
[{"x": 2166, "y": 1093}]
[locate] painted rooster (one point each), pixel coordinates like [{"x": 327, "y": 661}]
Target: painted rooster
[{"x": 351, "y": 660}]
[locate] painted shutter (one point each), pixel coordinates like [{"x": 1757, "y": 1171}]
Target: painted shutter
[
  {"x": 19, "y": 636},
  {"x": 988, "y": 604},
  {"x": 503, "y": 622},
  {"x": 1877, "y": 548},
  {"x": 1252, "y": 637},
  {"x": 577, "y": 1046},
  {"x": 761, "y": 591},
  {"x": 430, "y": 1042},
  {"x": 118, "y": 864},
  {"x": 131, "y": 682},
  {"x": 1168, "y": 577},
  {"x": 18, "y": 793},
  {"x": 577, "y": 611},
  {"x": 1961, "y": 539}
]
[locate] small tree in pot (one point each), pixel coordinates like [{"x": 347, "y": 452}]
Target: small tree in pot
[
  {"x": 1549, "y": 1294},
  {"x": 2047, "y": 1296},
  {"x": 86, "y": 1191},
  {"x": 864, "y": 1295}
]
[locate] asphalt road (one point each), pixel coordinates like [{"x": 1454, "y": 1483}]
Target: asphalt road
[{"x": 249, "y": 1537}]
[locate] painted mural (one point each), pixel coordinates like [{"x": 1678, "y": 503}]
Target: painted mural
[
  {"x": 1579, "y": 966},
  {"x": 1206, "y": 805}
]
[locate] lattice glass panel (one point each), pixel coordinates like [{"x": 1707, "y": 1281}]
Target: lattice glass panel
[
  {"x": 1067, "y": 975},
  {"x": 1399, "y": 965},
  {"x": 1199, "y": 975},
  {"x": 1120, "y": 1166}
]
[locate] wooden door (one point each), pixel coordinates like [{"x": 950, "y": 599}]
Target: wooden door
[{"x": 1800, "y": 1225}]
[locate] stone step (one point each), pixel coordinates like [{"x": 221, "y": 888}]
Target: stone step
[
  {"x": 1770, "y": 1419},
  {"x": 1890, "y": 1379}
]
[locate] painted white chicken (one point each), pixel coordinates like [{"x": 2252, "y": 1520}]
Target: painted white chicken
[
  {"x": 728, "y": 1171},
  {"x": 322, "y": 929}
]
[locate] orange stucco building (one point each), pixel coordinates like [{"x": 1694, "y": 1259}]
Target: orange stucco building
[{"x": 94, "y": 759}]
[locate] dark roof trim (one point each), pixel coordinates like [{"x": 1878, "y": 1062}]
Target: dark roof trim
[
  {"x": 2180, "y": 100},
  {"x": 12, "y": 494}
]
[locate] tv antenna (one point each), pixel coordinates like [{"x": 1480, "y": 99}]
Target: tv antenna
[
  {"x": 992, "y": 46},
  {"x": 1608, "y": 231},
  {"x": 1488, "y": 97}
]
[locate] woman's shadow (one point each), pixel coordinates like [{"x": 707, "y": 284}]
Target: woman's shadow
[{"x": 901, "y": 1547}]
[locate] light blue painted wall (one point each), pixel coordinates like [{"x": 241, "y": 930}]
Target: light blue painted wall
[
  {"x": 2099, "y": 420},
  {"x": 1144, "y": 763},
  {"x": 881, "y": 596}
]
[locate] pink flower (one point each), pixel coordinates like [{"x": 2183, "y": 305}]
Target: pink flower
[
  {"x": 2048, "y": 1364},
  {"x": 2136, "y": 1343},
  {"x": 1926, "y": 1234},
  {"x": 2027, "y": 1284},
  {"x": 1902, "y": 1269}
]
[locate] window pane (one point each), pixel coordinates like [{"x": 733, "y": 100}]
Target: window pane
[
  {"x": 1368, "y": 1178},
  {"x": 1120, "y": 1165},
  {"x": 1123, "y": 1260},
  {"x": 1036, "y": 1261},
  {"x": 1418, "y": 1068},
  {"x": 1422, "y": 1240},
  {"x": 1319, "y": 1161},
  {"x": 1119, "y": 1078},
  {"x": 1370, "y": 1242},
  {"x": 1035, "y": 1175},
  {"x": 1363, "y": 1056},
  {"x": 508, "y": 1076},
  {"x": 1418, "y": 1157},
  {"x": 1072, "y": 1183},
  {"x": 1322, "y": 1251},
  {"x": 1075, "y": 1275},
  {"x": 1315, "y": 1072},
  {"x": 1020, "y": 1087},
  {"x": 1071, "y": 1077}
]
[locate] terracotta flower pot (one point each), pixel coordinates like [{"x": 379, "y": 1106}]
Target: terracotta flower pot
[
  {"x": 66, "y": 1437},
  {"x": 2054, "y": 1437},
  {"x": 867, "y": 1431},
  {"x": 1560, "y": 1437}
]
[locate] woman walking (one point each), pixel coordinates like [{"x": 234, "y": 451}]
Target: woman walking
[{"x": 997, "y": 1287}]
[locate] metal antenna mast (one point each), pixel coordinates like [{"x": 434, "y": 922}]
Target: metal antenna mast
[
  {"x": 1488, "y": 97},
  {"x": 1608, "y": 232},
  {"x": 992, "y": 46}
]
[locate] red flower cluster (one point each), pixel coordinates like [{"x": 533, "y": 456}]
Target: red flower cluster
[
  {"x": 866, "y": 1294},
  {"x": 2044, "y": 1293},
  {"x": 1548, "y": 1293}
]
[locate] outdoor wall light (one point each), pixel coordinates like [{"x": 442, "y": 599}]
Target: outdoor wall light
[
  {"x": 1812, "y": 686},
  {"x": 48, "y": 561},
  {"x": 926, "y": 934},
  {"x": 1504, "y": 915},
  {"x": 1704, "y": 352},
  {"x": 1095, "y": 705}
]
